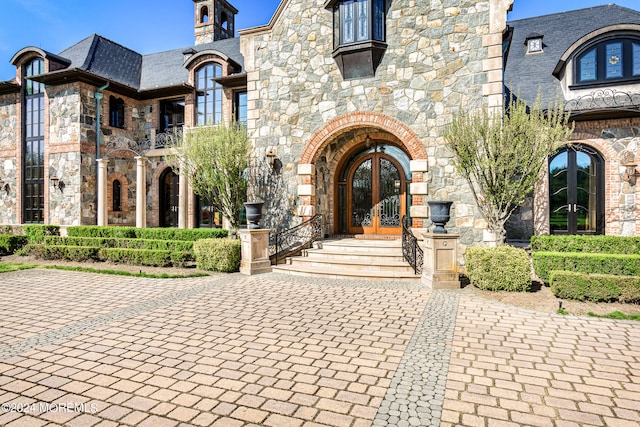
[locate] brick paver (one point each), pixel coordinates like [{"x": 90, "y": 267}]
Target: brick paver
[{"x": 79, "y": 349}]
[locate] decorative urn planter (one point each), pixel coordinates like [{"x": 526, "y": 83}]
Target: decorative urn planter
[
  {"x": 254, "y": 214},
  {"x": 439, "y": 213}
]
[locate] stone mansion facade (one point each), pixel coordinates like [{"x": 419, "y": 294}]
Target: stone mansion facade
[{"x": 349, "y": 98}]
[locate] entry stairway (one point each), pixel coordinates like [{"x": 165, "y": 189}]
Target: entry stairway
[{"x": 350, "y": 258}]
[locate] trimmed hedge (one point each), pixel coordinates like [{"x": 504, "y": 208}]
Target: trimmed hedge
[
  {"x": 183, "y": 234},
  {"x": 502, "y": 268},
  {"x": 590, "y": 244},
  {"x": 145, "y": 257},
  {"x": 37, "y": 232},
  {"x": 10, "y": 243},
  {"x": 217, "y": 255},
  {"x": 71, "y": 253},
  {"x": 110, "y": 242},
  {"x": 588, "y": 263},
  {"x": 594, "y": 287}
]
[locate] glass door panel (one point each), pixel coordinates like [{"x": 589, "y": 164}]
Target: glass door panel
[
  {"x": 586, "y": 193},
  {"x": 559, "y": 193},
  {"x": 390, "y": 190},
  {"x": 361, "y": 195}
]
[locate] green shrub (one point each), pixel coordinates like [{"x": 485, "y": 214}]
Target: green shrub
[
  {"x": 80, "y": 241},
  {"x": 590, "y": 244},
  {"x": 70, "y": 253},
  {"x": 154, "y": 244},
  {"x": 189, "y": 234},
  {"x": 137, "y": 256},
  {"x": 10, "y": 243},
  {"x": 588, "y": 263},
  {"x": 37, "y": 232},
  {"x": 99, "y": 231},
  {"x": 594, "y": 287},
  {"x": 502, "y": 268},
  {"x": 217, "y": 255}
]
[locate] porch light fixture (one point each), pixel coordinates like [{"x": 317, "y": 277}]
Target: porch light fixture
[
  {"x": 58, "y": 184},
  {"x": 273, "y": 160},
  {"x": 630, "y": 172}
]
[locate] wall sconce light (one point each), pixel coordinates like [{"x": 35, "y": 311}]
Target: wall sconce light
[
  {"x": 630, "y": 172},
  {"x": 58, "y": 184},
  {"x": 273, "y": 160}
]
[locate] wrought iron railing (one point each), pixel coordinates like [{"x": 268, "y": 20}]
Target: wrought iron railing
[
  {"x": 411, "y": 249},
  {"x": 289, "y": 242}
]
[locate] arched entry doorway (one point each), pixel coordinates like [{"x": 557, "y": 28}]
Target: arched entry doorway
[
  {"x": 168, "y": 200},
  {"x": 372, "y": 190},
  {"x": 576, "y": 191}
]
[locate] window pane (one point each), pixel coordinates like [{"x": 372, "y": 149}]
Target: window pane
[
  {"x": 378, "y": 20},
  {"x": 614, "y": 60},
  {"x": 588, "y": 64},
  {"x": 558, "y": 193},
  {"x": 636, "y": 59},
  {"x": 363, "y": 19},
  {"x": 347, "y": 22}
]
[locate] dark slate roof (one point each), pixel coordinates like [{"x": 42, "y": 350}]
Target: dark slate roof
[
  {"x": 105, "y": 58},
  {"x": 528, "y": 73},
  {"x": 166, "y": 69}
]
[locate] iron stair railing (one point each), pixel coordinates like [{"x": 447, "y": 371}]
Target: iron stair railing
[
  {"x": 411, "y": 249},
  {"x": 292, "y": 241}
]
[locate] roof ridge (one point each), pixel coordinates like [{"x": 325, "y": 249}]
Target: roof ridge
[{"x": 608, "y": 5}]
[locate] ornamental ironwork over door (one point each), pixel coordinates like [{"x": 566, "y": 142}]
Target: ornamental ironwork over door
[{"x": 376, "y": 201}]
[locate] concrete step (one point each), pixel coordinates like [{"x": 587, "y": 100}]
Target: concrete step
[
  {"x": 365, "y": 256},
  {"x": 335, "y": 273},
  {"x": 359, "y": 265}
]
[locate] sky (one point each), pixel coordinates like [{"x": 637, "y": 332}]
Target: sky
[{"x": 148, "y": 26}]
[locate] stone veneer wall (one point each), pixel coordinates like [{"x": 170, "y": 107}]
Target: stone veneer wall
[
  {"x": 8, "y": 158},
  {"x": 436, "y": 61},
  {"x": 64, "y": 206}
]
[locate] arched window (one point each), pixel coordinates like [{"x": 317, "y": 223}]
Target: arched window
[
  {"x": 33, "y": 120},
  {"x": 204, "y": 15},
  {"x": 609, "y": 61},
  {"x": 116, "y": 196},
  {"x": 224, "y": 20},
  {"x": 208, "y": 95},
  {"x": 116, "y": 112}
]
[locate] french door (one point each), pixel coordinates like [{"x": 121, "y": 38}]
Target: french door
[
  {"x": 169, "y": 186},
  {"x": 576, "y": 188},
  {"x": 376, "y": 195}
]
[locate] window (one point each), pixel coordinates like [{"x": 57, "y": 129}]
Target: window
[
  {"x": 204, "y": 15},
  {"x": 116, "y": 112},
  {"x": 171, "y": 115},
  {"x": 609, "y": 61},
  {"x": 116, "y": 196},
  {"x": 208, "y": 95},
  {"x": 359, "y": 36},
  {"x": 33, "y": 144},
  {"x": 241, "y": 107}
]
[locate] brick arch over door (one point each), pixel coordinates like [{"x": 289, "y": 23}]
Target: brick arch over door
[{"x": 360, "y": 119}]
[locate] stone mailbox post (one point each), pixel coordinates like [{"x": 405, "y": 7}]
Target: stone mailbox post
[{"x": 440, "y": 269}]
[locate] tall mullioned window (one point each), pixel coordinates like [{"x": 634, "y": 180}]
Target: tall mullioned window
[
  {"x": 208, "y": 95},
  {"x": 358, "y": 21},
  {"x": 33, "y": 144},
  {"x": 609, "y": 61}
]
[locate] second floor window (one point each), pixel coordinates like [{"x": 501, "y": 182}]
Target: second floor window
[
  {"x": 208, "y": 95},
  {"x": 358, "y": 20},
  {"x": 116, "y": 112},
  {"x": 608, "y": 61}
]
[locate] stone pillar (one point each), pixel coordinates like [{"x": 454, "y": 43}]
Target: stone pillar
[
  {"x": 419, "y": 189},
  {"x": 141, "y": 192},
  {"x": 182, "y": 199},
  {"x": 102, "y": 191},
  {"x": 306, "y": 191},
  {"x": 440, "y": 268},
  {"x": 255, "y": 252}
]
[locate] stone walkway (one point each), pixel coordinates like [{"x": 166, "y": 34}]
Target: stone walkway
[{"x": 79, "y": 349}]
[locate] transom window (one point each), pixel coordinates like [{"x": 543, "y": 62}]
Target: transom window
[
  {"x": 208, "y": 95},
  {"x": 609, "y": 61}
]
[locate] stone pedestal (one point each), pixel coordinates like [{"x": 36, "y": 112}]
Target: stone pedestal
[
  {"x": 141, "y": 192},
  {"x": 255, "y": 252},
  {"x": 440, "y": 268}
]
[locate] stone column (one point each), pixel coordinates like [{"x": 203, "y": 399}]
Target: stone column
[
  {"x": 419, "y": 189},
  {"x": 141, "y": 192},
  {"x": 255, "y": 252},
  {"x": 102, "y": 191},
  {"x": 182, "y": 199},
  {"x": 306, "y": 191},
  {"x": 440, "y": 268}
]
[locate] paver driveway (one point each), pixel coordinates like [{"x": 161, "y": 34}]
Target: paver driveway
[{"x": 80, "y": 349}]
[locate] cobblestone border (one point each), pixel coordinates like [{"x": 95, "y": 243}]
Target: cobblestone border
[
  {"x": 416, "y": 394},
  {"x": 81, "y": 326}
]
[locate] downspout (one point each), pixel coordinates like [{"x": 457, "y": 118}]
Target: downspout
[{"x": 99, "y": 95}]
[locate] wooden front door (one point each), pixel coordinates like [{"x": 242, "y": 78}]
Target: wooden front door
[
  {"x": 376, "y": 195},
  {"x": 169, "y": 187}
]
